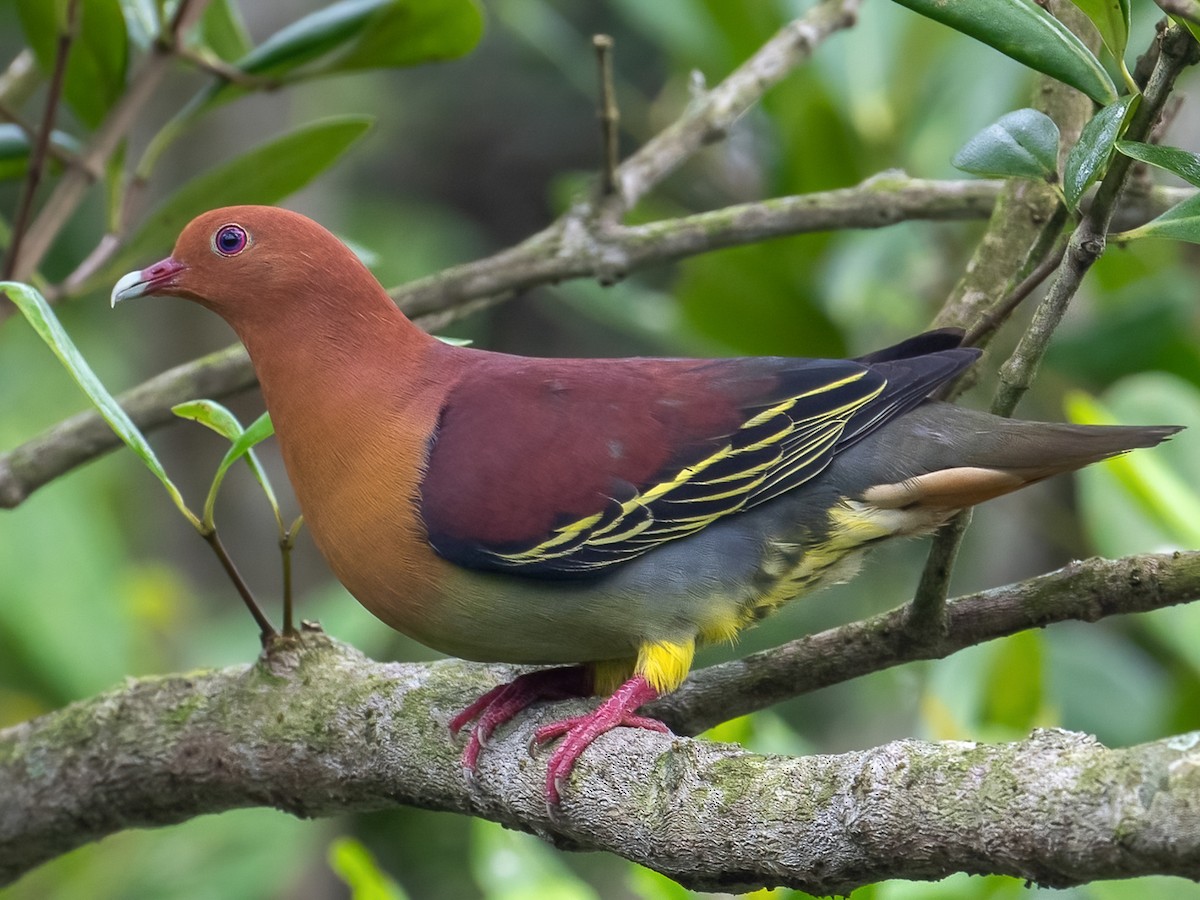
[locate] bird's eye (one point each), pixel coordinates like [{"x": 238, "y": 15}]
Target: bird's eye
[{"x": 230, "y": 240}]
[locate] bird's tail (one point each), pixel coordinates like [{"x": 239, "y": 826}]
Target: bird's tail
[{"x": 951, "y": 458}]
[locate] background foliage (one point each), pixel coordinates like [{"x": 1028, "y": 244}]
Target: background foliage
[{"x": 441, "y": 163}]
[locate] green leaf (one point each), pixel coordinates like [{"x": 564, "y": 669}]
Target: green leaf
[
  {"x": 256, "y": 432},
  {"x": 1022, "y": 143},
  {"x": 1156, "y": 490},
  {"x": 1112, "y": 19},
  {"x": 354, "y": 865},
  {"x": 1024, "y": 31},
  {"x": 311, "y": 37},
  {"x": 14, "y": 149},
  {"x": 222, "y": 31},
  {"x": 361, "y": 34},
  {"x": 1192, "y": 28},
  {"x": 212, "y": 415},
  {"x": 215, "y": 416},
  {"x": 141, "y": 18},
  {"x": 37, "y": 311},
  {"x": 410, "y": 33},
  {"x": 345, "y": 36},
  {"x": 264, "y": 175},
  {"x": 1014, "y": 688},
  {"x": 95, "y": 76},
  {"x": 1179, "y": 162},
  {"x": 1181, "y": 223},
  {"x": 1088, "y": 159}
]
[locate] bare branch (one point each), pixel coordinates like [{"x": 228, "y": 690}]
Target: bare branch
[
  {"x": 575, "y": 247},
  {"x": 608, "y": 113},
  {"x": 709, "y": 118},
  {"x": 41, "y": 144},
  {"x": 1085, "y": 591}
]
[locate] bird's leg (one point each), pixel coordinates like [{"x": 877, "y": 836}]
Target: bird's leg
[
  {"x": 504, "y": 701},
  {"x": 578, "y": 732}
]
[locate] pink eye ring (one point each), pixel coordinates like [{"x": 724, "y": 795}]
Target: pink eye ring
[{"x": 230, "y": 240}]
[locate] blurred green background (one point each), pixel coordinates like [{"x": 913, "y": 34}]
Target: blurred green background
[{"x": 100, "y": 578}]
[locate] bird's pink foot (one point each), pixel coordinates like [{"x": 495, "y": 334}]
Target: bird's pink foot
[
  {"x": 578, "y": 732},
  {"x": 505, "y": 701}
]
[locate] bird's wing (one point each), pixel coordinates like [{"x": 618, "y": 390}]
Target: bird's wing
[{"x": 567, "y": 467}]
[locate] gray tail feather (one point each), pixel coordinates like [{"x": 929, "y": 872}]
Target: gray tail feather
[
  {"x": 945, "y": 457},
  {"x": 954, "y": 436},
  {"x": 1041, "y": 449}
]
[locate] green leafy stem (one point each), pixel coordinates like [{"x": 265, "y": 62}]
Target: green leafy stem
[{"x": 242, "y": 441}]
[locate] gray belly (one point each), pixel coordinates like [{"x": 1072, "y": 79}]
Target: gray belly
[{"x": 705, "y": 588}]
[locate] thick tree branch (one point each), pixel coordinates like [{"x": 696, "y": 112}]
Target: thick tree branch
[{"x": 317, "y": 729}]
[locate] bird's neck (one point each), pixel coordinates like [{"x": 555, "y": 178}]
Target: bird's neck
[
  {"x": 354, "y": 403},
  {"x": 306, "y": 359}
]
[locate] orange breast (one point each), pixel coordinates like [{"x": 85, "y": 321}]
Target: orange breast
[{"x": 354, "y": 453}]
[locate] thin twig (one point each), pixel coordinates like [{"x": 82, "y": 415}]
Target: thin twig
[
  {"x": 216, "y": 66},
  {"x": 266, "y": 629},
  {"x": 926, "y": 619},
  {"x": 186, "y": 13},
  {"x": 1008, "y": 263},
  {"x": 993, "y": 318},
  {"x": 286, "y": 543},
  {"x": 106, "y": 248},
  {"x": 710, "y": 116},
  {"x": 37, "y": 158},
  {"x": 608, "y": 113}
]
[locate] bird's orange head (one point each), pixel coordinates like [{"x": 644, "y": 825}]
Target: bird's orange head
[{"x": 250, "y": 264}]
